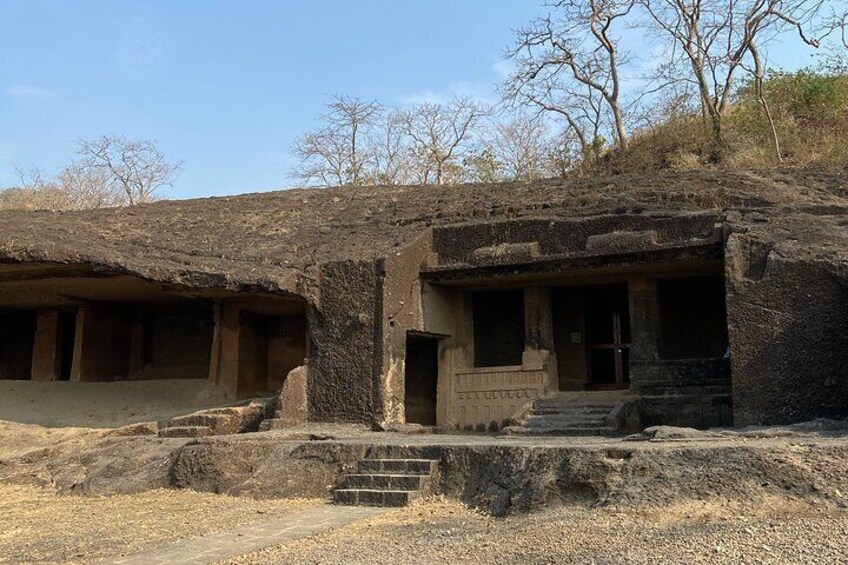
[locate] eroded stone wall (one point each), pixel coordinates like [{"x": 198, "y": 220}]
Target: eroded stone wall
[
  {"x": 788, "y": 324},
  {"x": 403, "y": 312},
  {"x": 601, "y": 235},
  {"x": 345, "y": 380}
]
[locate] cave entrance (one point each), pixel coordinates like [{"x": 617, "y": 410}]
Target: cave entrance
[
  {"x": 592, "y": 337},
  {"x": 421, "y": 377},
  {"x": 269, "y": 348},
  {"x": 608, "y": 331},
  {"x": 17, "y": 331}
]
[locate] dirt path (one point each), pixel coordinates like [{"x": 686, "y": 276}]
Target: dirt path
[{"x": 39, "y": 526}]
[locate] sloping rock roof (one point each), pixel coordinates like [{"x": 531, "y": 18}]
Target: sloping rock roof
[{"x": 268, "y": 239}]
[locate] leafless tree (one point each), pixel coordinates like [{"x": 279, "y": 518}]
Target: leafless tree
[
  {"x": 562, "y": 157},
  {"x": 337, "y": 153},
  {"x": 74, "y": 188},
  {"x": 518, "y": 147},
  {"x": 834, "y": 23},
  {"x": 440, "y": 135},
  {"x": 134, "y": 168},
  {"x": 715, "y": 38},
  {"x": 35, "y": 191},
  {"x": 842, "y": 26},
  {"x": 569, "y": 63},
  {"x": 757, "y": 71},
  {"x": 110, "y": 171},
  {"x": 393, "y": 161}
]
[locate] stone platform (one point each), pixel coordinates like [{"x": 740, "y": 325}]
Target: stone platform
[{"x": 497, "y": 473}]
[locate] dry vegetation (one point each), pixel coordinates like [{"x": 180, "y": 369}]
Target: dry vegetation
[
  {"x": 810, "y": 109},
  {"x": 107, "y": 172},
  {"x": 581, "y": 100},
  {"x": 43, "y": 527}
]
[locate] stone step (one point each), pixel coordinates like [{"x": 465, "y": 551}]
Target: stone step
[
  {"x": 600, "y": 415},
  {"x": 559, "y": 431},
  {"x": 575, "y": 428},
  {"x": 200, "y": 419},
  {"x": 372, "y": 481},
  {"x": 559, "y": 406},
  {"x": 186, "y": 431},
  {"x": 560, "y": 419},
  {"x": 228, "y": 410},
  {"x": 589, "y": 397},
  {"x": 397, "y": 466},
  {"x": 369, "y": 497},
  {"x": 271, "y": 424},
  {"x": 387, "y": 482},
  {"x": 565, "y": 407},
  {"x": 278, "y": 424}
]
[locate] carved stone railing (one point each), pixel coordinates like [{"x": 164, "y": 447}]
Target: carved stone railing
[{"x": 485, "y": 397}]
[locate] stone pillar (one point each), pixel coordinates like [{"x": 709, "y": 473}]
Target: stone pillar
[
  {"x": 538, "y": 326},
  {"x": 225, "y": 358},
  {"x": 539, "y": 333},
  {"x": 79, "y": 338},
  {"x": 103, "y": 342},
  {"x": 644, "y": 324},
  {"x": 464, "y": 330},
  {"x": 137, "y": 346},
  {"x": 47, "y": 346},
  {"x": 239, "y": 362},
  {"x": 217, "y": 337}
]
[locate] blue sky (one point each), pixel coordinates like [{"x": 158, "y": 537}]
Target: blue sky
[{"x": 227, "y": 86}]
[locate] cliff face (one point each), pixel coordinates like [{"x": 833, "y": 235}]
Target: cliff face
[
  {"x": 787, "y": 304},
  {"x": 355, "y": 253},
  {"x": 271, "y": 240}
]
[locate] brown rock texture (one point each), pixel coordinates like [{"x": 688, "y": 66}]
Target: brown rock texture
[{"x": 353, "y": 255}]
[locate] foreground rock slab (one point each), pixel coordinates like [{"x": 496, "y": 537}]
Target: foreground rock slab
[{"x": 496, "y": 474}]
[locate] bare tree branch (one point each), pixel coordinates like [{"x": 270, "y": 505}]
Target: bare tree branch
[
  {"x": 136, "y": 168},
  {"x": 338, "y": 153},
  {"x": 573, "y": 60},
  {"x": 440, "y": 134},
  {"x": 716, "y": 36}
]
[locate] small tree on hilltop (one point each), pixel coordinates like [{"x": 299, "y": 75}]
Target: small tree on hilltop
[
  {"x": 134, "y": 169},
  {"x": 339, "y": 153},
  {"x": 440, "y": 136}
]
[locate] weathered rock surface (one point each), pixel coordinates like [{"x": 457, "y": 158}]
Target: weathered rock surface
[
  {"x": 291, "y": 408},
  {"x": 140, "y": 429},
  {"x": 498, "y": 476},
  {"x": 217, "y": 421},
  {"x": 671, "y": 433}
]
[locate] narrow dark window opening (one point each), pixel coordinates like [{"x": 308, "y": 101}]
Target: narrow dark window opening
[
  {"x": 693, "y": 318},
  {"x": 498, "y": 328}
]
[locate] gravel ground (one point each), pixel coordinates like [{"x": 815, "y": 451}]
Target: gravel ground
[
  {"x": 788, "y": 507},
  {"x": 39, "y": 526},
  {"x": 445, "y": 532}
]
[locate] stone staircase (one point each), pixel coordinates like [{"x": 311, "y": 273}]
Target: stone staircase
[
  {"x": 215, "y": 421},
  {"x": 569, "y": 414},
  {"x": 387, "y": 482}
]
